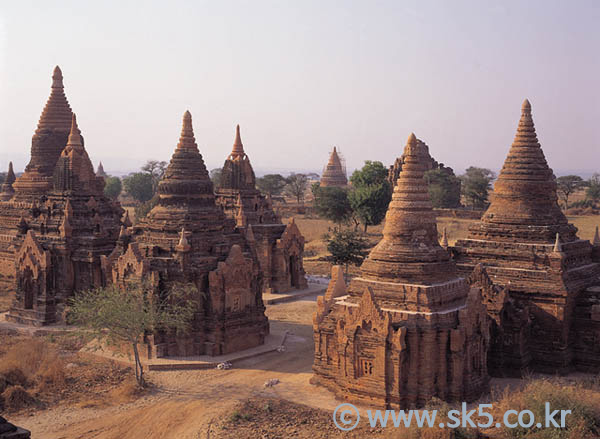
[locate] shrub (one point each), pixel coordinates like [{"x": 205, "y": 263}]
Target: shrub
[{"x": 17, "y": 398}]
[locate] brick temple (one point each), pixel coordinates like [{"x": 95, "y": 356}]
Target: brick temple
[
  {"x": 538, "y": 277},
  {"x": 55, "y": 222},
  {"x": 279, "y": 247},
  {"x": 334, "y": 173},
  {"x": 409, "y": 328},
  {"x": 187, "y": 238}
]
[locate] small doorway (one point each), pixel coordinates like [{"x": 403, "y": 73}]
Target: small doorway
[
  {"x": 27, "y": 286},
  {"x": 294, "y": 272}
]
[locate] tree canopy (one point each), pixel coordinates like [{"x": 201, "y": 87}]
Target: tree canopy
[
  {"x": 271, "y": 184},
  {"x": 124, "y": 314},
  {"x": 476, "y": 183},
  {"x": 140, "y": 186},
  {"x": 567, "y": 185},
  {"x": 112, "y": 187},
  {"x": 296, "y": 185},
  {"x": 370, "y": 194},
  {"x": 332, "y": 203},
  {"x": 592, "y": 192},
  {"x": 444, "y": 188},
  {"x": 346, "y": 247}
]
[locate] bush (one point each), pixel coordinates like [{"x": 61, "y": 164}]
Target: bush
[{"x": 17, "y": 398}]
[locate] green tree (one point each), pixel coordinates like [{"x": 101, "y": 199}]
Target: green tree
[
  {"x": 371, "y": 173},
  {"x": 444, "y": 188},
  {"x": 296, "y": 185},
  {"x": 371, "y": 193},
  {"x": 140, "y": 186},
  {"x": 123, "y": 315},
  {"x": 592, "y": 192},
  {"x": 346, "y": 247},
  {"x": 332, "y": 203},
  {"x": 112, "y": 187},
  {"x": 156, "y": 169},
  {"x": 568, "y": 184},
  {"x": 215, "y": 176},
  {"x": 370, "y": 203},
  {"x": 271, "y": 184},
  {"x": 476, "y": 183}
]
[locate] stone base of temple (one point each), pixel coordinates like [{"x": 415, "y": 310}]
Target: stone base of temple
[{"x": 31, "y": 317}]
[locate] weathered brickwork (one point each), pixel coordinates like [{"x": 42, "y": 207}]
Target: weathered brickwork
[{"x": 408, "y": 328}]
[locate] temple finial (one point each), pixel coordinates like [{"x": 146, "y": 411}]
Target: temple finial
[
  {"x": 10, "y": 178},
  {"x": 526, "y": 107},
  {"x": 183, "y": 245},
  {"x": 238, "y": 147},
  {"x": 57, "y": 78},
  {"x": 187, "y": 140},
  {"x": 557, "y": 246},
  {"x": 74, "y": 135},
  {"x": 596, "y": 238},
  {"x": 412, "y": 139}
]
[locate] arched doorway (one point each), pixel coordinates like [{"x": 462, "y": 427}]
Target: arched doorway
[{"x": 27, "y": 287}]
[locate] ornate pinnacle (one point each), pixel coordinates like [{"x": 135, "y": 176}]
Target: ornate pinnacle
[{"x": 557, "y": 245}]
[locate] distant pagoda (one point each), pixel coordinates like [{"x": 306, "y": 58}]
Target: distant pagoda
[
  {"x": 532, "y": 266},
  {"x": 100, "y": 171},
  {"x": 408, "y": 328},
  {"x": 334, "y": 173},
  {"x": 280, "y": 248}
]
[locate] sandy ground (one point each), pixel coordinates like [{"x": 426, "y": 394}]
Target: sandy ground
[{"x": 186, "y": 403}]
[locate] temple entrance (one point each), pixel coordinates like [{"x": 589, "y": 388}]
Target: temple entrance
[
  {"x": 27, "y": 288},
  {"x": 294, "y": 272}
]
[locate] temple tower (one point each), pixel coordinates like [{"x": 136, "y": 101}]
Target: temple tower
[
  {"x": 47, "y": 143},
  {"x": 6, "y": 189},
  {"x": 334, "y": 173},
  {"x": 533, "y": 265},
  {"x": 58, "y": 223},
  {"x": 100, "y": 171},
  {"x": 279, "y": 247},
  {"x": 186, "y": 238},
  {"x": 409, "y": 328}
]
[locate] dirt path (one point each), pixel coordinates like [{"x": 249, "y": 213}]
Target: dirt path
[{"x": 186, "y": 402}]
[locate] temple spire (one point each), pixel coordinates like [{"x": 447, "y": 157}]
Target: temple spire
[
  {"x": 596, "y": 238},
  {"x": 74, "y": 134},
  {"x": 238, "y": 147},
  {"x": 57, "y": 78},
  {"x": 10, "y": 178},
  {"x": 525, "y": 191},
  {"x": 187, "y": 139},
  {"x": 557, "y": 247},
  {"x": 57, "y": 112},
  {"x": 410, "y": 251}
]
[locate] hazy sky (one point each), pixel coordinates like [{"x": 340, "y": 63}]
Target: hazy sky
[{"x": 302, "y": 76}]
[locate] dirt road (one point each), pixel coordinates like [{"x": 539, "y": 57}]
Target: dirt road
[{"x": 186, "y": 403}]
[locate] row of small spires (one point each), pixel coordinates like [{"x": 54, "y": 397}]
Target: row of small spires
[{"x": 557, "y": 244}]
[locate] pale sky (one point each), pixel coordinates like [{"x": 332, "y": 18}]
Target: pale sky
[{"x": 302, "y": 76}]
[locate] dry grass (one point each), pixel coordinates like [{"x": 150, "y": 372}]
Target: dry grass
[
  {"x": 33, "y": 362},
  {"x": 582, "y": 398}
]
